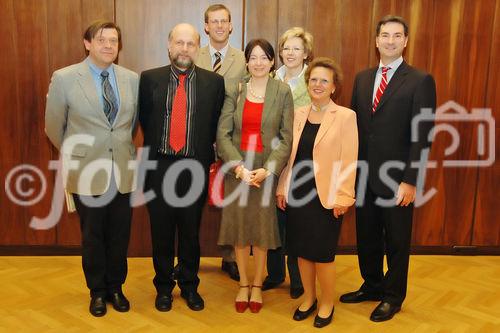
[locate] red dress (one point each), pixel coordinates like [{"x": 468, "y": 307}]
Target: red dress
[{"x": 251, "y": 139}]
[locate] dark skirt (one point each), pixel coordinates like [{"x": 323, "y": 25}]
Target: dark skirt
[{"x": 312, "y": 232}]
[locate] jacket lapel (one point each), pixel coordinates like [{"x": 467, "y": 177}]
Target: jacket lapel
[
  {"x": 87, "y": 84},
  {"x": 370, "y": 83},
  {"x": 300, "y": 119},
  {"x": 204, "y": 60},
  {"x": 396, "y": 81},
  {"x": 228, "y": 61},
  {"x": 241, "y": 96},
  {"x": 160, "y": 99},
  {"x": 326, "y": 122},
  {"x": 123, "y": 90},
  {"x": 201, "y": 91},
  {"x": 269, "y": 99}
]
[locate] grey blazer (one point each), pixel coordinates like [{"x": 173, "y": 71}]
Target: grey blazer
[
  {"x": 233, "y": 67},
  {"x": 73, "y": 108},
  {"x": 276, "y": 126}
]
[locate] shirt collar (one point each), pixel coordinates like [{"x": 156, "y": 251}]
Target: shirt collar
[
  {"x": 393, "y": 65},
  {"x": 222, "y": 51},
  {"x": 280, "y": 73},
  {"x": 96, "y": 69},
  {"x": 176, "y": 71}
]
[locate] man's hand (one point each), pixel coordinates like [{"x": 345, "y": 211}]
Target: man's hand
[{"x": 406, "y": 194}]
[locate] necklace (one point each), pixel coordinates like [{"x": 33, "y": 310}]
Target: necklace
[
  {"x": 319, "y": 108},
  {"x": 253, "y": 92}
]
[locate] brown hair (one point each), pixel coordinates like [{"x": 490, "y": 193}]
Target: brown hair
[
  {"x": 216, "y": 7},
  {"x": 332, "y": 65},
  {"x": 264, "y": 45},
  {"x": 97, "y": 26},
  {"x": 306, "y": 37},
  {"x": 392, "y": 18}
]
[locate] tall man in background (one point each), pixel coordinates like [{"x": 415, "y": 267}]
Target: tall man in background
[
  {"x": 98, "y": 99},
  {"x": 386, "y": 100},
  {"x": 179, "y": 108},
  {"x": 220, "y": 57}
]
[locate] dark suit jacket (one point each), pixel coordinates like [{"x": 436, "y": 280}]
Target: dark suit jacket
[
  {"x": 152, "y": 107},
  {"x": 386, "y": 135}
]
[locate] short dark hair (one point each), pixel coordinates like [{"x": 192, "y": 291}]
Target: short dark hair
[
  {"x": 392, "y": 18},
  {"x": 216, "y": 7},
  {"x": 330, "y": 64},
  {"x": 264, "y": 45},
  {"x": 95, "y": 27}
]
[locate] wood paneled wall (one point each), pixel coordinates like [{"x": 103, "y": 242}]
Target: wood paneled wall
[{"x": 456, "y": 40}]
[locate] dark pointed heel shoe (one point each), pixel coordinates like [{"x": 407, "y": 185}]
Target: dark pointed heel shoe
[
  {"x": 322, "y": 322},
  {"x": 301, "y": 315}
]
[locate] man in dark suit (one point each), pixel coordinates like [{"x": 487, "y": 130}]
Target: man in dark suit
[
  {"x": 179, "y": 107},
  {"x": 386, "y": 99},
  {"x": 97, "y": 99}
]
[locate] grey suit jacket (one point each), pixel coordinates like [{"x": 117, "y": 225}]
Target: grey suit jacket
[
  {"x": 233, "y": 67},
  {"x": 276, "y": 126},
  {"x": 90, "y": 147}
]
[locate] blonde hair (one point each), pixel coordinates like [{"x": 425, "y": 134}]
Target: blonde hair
[{"x": 307, "y": 40}]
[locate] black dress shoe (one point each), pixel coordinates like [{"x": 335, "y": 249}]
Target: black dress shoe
[
  {"x": 231, "y": 268},
  {"x": 97, "y": 306},
  {"x": 268, "y": 284},
  {"x": 358, "y": 297},
  {"x": 322, "y": 322},
  {"x": 163, "y": 302},
  {"x": 119, "y": 301},
  {"x": 296, "y": 292},
  {"x": 301, "y": 315},
  {"x": 384, "y": 311},
  {"x": 194, "y": 300}
]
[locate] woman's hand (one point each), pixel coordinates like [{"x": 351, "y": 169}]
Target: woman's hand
[
  {"x": 244, "y": 174},
  {"x": 339, "y": 210},
  {"x": 258, "y": 175},
  {"x": 281, "y": 201}
]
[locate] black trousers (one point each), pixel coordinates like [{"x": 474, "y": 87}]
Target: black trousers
[
  {"x": 382, "y": 230},
  {"x": 105, "y": 239},
  {"x": 166, "y": 218},
  {"x": 276, "y": 258}
]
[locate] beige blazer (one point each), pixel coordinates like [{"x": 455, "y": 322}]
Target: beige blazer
[
  {"x": 73, "y": 108},
  {"x": 335, "y": 155},
  {"x": 276, "y": 126},
  {"x": 233, "y": 67}
]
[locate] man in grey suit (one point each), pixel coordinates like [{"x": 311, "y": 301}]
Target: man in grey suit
[
  {"x": 220, "y": 57},
  {"x": 90, "y": 118}
]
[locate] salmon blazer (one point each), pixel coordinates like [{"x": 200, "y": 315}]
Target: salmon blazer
[{"x": 334, "y": 155}]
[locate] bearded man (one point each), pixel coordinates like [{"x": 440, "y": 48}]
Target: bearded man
[{"x": 179, "y": 107}]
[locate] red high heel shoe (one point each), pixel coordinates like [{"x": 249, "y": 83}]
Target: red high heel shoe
[
  {"x": 241, "y": 306},
  {"x": 255, "y": 306}
]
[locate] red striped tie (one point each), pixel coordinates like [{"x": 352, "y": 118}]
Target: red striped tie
[
  {"x": 381, "y": 88},
  {"x": 177, "y": 139}
]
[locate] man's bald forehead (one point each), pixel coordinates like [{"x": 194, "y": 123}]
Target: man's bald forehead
[{"x": 184, "y": 27}]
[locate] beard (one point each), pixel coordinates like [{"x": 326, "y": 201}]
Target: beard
[{"x": 181, "y": 63}]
